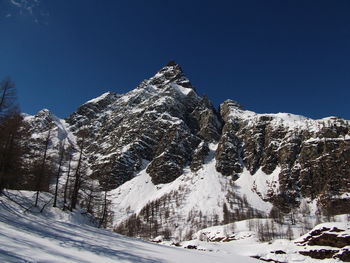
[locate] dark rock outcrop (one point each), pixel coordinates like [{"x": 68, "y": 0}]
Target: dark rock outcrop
[
  {"x": 198, "y": 157},
  {"x": 313, "y": 155},
  {"x": 343, "y": 255},
  {"x": 327, "y": 237},
  {"x": 335, "y": 240},
  {"x": 320, "y": 253}
]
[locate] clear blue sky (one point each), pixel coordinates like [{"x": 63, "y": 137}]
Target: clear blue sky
[{"x": 270, "y": 56}]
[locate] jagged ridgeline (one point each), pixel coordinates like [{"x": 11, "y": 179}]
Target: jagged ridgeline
[{"x": 167, "y": 157}]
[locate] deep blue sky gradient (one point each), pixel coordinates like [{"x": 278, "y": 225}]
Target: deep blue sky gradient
[{"x": 270, "y": 56}]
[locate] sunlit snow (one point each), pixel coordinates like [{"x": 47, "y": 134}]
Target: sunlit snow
[{"x": 56, "y": 236}]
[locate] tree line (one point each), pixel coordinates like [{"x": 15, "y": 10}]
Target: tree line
[{"x": 36, "y": 164}]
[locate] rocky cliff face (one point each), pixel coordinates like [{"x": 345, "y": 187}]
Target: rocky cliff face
[
  {"x": 163, "y": 129},
  {"x": 313, "y": 154},
  {"x": 161, "y": 122}
]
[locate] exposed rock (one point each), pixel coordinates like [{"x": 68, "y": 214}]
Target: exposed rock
[
  {"x": 327, "y": 237},
  {"x": 209, "y": 126},
  {"x": 336, "y": 238},
  {"x": 279, "y": 252},
  {"x": 313, "y": 154},
  {"x": 190, "y": 247},
  {"x": 229, "y": 152},
  {"x": 267, "y": 259},
  {"x": 198, "y": 156},
  {"x": 319, "y": 253},
  {"x": 331, "y": 240},
  {"x": 92, "y": 112},
  {"x": 343, "y": 255}
]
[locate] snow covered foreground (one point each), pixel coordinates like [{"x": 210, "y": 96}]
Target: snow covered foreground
[{"x": 56, "y": 236}]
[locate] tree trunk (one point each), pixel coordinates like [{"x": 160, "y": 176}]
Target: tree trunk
[
  {"x": 4, "y": 162},
  {"x": 77, "y": 182},
  {"x": 42, "y": 168},
  {"x": 67, "y": 181},
  {"x": 58, "y": 174},
  {"x": 82, "y": 134},
  {"x": 104, "y": 213}
]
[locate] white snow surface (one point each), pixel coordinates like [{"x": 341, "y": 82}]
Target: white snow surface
[
  {"x": 257, "y": 187},
  {"x": 245, "y": 242},
  {"x": 181, "y": 89},
  {"x": 55, "y": 236},
  {"x": 292, "y": 121},
  {"x": 99, "y": 98}
]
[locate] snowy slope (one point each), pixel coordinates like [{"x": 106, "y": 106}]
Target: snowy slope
[
  {"x": 200, "y": 194},
  {"x": 237, "y": 238},
  {"x": 56, "y": 237}
]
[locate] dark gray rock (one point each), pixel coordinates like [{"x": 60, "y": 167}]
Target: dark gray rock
[
  {"x": 198, "y": 156},
  {"x": 313, "y": 154}
]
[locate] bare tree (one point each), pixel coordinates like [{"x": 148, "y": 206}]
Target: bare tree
[
  {"x": 292, "y": 215},
  {"x": 42, "y": 171},
  {"x": 82, "y": 136},
  {"x": 276, "y": 215},
  {"x": 13, "y": 131},
  {"x": 251, "y": 224},
  {"x": 70, "y": 158},
  {"x": 226, "y": 214},
  {"x": 106, "y": 180},
  {"x": 261, "y": 231},
  {"x": 7, "y": 97},
  {"x": 91, "y": 200},
  {"x": 58, "y": 174},
  {"x": 104, "y": 210},
  {"x": 289, "y": 232}
]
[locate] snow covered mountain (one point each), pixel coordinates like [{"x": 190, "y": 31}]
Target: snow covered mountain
[{"x": 174, "y": 165}]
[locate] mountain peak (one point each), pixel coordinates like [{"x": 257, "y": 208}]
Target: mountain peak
[
  {"x": 171, "y": 67},
  {"x": 172, "y": 63},
  {"x": 44, "y": 113},
  {"x": 171, "y": 73},
  {"x": 233, "y": 103}
]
